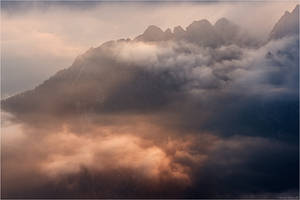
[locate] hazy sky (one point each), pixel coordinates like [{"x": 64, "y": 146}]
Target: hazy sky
[{"x": 39, "y": 38}]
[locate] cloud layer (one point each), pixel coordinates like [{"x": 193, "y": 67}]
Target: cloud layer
[{"x": 189, "y": 116}]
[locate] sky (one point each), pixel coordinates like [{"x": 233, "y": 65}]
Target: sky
[
  {"x": 207, "y": 111},
  {"x": 40, "y": 38}
]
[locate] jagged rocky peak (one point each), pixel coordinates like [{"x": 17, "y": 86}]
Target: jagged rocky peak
[
  {"x": 202, "y": 32},
  {"x": 179, "y": 32},
  {"x": 153, "y": 29},
  {"x": 287, "y": 25},
  {"x": 168, "y": 31},
  {"x": 168, "y": 34},
  {"x": 198, "y": 25},
  {"x": 224, "y": 23},
  {"x": 226, "y": 30},
  {"x": 154, "y": 33}
]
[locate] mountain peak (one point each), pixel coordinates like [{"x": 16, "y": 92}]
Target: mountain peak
[
  {"x": 224, "y": 24},
  {"x": 204, "y": 23},
  {"x": 152, "y": 33},
  {"x": 226, "y": 30},
  {"x": 201, "y": 32},
  {"x": 168, "y": 34},
  {"x": 168, "y": 30},
  {"x": 287, "y": 25},
  {"x": 178, "y": 29},
  {"x": 179, "y": 32},
  {"x": 153, "y": 29},
  {"x": 222, "y": 21}
]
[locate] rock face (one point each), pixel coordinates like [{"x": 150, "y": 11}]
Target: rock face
[{"x": 287, "y": 25}]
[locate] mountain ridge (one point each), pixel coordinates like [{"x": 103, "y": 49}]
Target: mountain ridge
[{"x": 200, "y": 32}]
